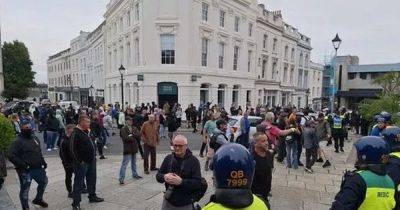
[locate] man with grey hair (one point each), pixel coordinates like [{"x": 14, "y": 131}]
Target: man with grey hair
[
  {"x": 272, "y": 131},
  {"x": 180, "y": 171},
  {"x": 149, "y": 134},
  {"x": 244, "y": 130}
]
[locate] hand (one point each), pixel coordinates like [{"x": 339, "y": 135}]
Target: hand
[
  {"x": 168, "y": 178},
  {"x": 176, "y": 180}
]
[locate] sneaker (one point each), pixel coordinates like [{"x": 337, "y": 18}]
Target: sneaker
[
  {"x": 309, "y": 170},
  {"x": 137, "y": 177},
  {"x": 102, "y": 157},
  {"x": 326, "y": 164},
  {"x": 201, "y": 155},
  {"x": 146, "y": 172},
  {"x": 76, "y": 207},
  {"x": 48, "y": 150},
  {"x": 319, "y": 160},
  {"x": 341, "y": 149},
  {"x": 337, "y": 151},
  {"x": 206, "y": 166},
  {"x": 55, "y": 148},
  {"x": 301, "y": 164},
  {"x": 95, "y": 199},
  {"x": 154, "y": 169},
  {"x": 105, "y": 147},
  {"x": 40, "y": 203},
  {"x": 122, "y": 183}
]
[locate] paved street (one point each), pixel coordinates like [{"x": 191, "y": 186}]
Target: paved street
[{"x": 291, "y": 189}]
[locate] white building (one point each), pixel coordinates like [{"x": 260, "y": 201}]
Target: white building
[
  {"x": 315, "y": 86},
  {"x": 77, "y": 73},
  {"x": 194, "y": 51}
]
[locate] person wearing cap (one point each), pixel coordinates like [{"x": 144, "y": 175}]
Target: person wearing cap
[
  {"x": 233, "y": 169},
  {"x": 379, "y": 127},
  {"x": 219, "y": 137},
  {"x": 392, "y": 136},
  {"x": 368, "y": 187},
  {"x": 26, "y": 155}
]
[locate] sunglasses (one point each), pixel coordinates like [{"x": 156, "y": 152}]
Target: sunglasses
[{"x": 179, "y": 145}]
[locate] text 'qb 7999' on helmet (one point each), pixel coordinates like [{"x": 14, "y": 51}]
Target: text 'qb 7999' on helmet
[{"x": 370, "y": 149}]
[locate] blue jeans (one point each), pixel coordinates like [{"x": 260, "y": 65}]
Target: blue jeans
[
  {"x": 82, "y": 171},
  {"x": 51, "y": 139},
  {"x": 125, "y": 161},
  {"x": 162, "y": 132},
  {"x": 25, "y": 179},
  {"x": 104, "y": 134},
  {"x": 291, "y": 154}
]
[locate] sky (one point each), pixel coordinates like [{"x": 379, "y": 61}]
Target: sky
[{"x": 368, "y": 28}]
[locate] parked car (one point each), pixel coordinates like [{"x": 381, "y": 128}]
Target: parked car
[
  {"x": 18, "y": 106},
  {"x": 234, "y": 126},
  {"x": 65, "y": 104}
]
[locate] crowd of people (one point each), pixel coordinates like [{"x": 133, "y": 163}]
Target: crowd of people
[{"x": 284, "y": 133}]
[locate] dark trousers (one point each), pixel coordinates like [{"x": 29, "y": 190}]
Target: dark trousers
[
  {"x": 140, "y": 147},
  {"x": 25, "y": 179},
  {"x": 203, "y": 147},
  {"x": 339, "y": 141},
  {"x": 1, "y": 182},
  {"x": 149, "y": 150},
  {"x": 281, "y": 150},
  {"x": 194, "y": 124},
  {"x": 68, "y": 178},
  {"x": 244, "y": 140},
  {"x": 311, "y": 156},
  {"x": 100, "y": 145},
  {"x": 82, "y": 171}
]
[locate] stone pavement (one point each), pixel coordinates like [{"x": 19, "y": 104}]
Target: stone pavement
[{"x": 291, "y": 189}]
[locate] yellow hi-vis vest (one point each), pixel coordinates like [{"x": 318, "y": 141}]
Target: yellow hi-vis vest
[
  {"x": 395, "y": 154},
  {"x": 380, "y": 192},
  {"x": 257, "y": 204}
]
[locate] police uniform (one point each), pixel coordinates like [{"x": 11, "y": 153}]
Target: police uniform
[
  {"x": 233, "y": 169},
  {"x": 337, "y": 131},
  {"x": 391, "y": 135},
  {"x": 370, "y": 188}
]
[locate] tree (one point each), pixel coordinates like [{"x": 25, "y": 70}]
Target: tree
[
  {"x": 390, "y": 83},
  {"x": 17, "y": 69}
]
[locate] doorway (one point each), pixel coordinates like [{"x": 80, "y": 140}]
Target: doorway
[{"x": 167, "y": 92}]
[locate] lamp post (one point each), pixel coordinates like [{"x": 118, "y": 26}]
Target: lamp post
[
  {"x": 91, "y": 101},
  {"x": 307, "y": 96},
  {"x": 336, "y": 44},
  {"x": 122, "y": 71}
]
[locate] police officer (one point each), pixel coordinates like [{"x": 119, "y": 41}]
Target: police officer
[
  {"x": 392, "y": 136},
  {"x": 337, "y": 130},
  {"x": 383, "y": 120},
  {"x": 369, "y": 186},
  {"x": 233, "y": 169}
]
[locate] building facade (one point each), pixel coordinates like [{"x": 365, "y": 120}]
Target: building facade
[
  {"x": 192, "y": 51},
  {"x": 315, "y": 86},
  {"x": 355, "y": 81},
  {"x": 77, "y": 73}
]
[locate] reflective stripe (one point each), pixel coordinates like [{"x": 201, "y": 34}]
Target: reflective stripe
[
  {"x": 380, "y": 192},
  {"x": 257, "y": 204},
  {"x": 395, "y": 154}
]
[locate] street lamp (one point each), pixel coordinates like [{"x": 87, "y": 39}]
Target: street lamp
[
  {"x": 91, "y": 101},
  {"x": 122, "y": 71},
  {"x": 307, "y": 96},
  {"x": 336, "y": 44}
]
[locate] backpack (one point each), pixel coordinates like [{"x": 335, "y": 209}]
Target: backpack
[{"x": 213, "y": 142}]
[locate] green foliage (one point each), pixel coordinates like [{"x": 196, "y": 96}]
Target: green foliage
[
  {"x": 17, "y": 69},
  {"x": 390, "y": 103},
  {"x": 390, "y": 82},
  {"x": 7, "y": 133}
]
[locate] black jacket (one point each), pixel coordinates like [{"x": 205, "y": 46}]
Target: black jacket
[
  {"x": 189, "y": 172},
  {"x": 52, "y": 124},
  {"x": 65, "y": 151},
  {"x": 353, "y": 189},
  {"x": 25, "y": 153},
  {"x": 82, "y": 147},
  {"x": 3, "y": 167},
  {"x": 172, "y": 124}
]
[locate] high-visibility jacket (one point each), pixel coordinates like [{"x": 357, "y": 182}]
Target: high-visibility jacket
[
  {"x": 257, "y": 204},
  {"x": 380, "y": 192}
]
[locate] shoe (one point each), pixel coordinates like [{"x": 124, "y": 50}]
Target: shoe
[
  {"x": 102, "y": 157},
  {"x": 40, "y": 203},
  {"x": 337, "y": 151},
  {"x": 48, "y": 150},
  {"x": 201, "y": 155},
  {"x": 154, "y": 169},
  {"x": 76, "y": 207},
  {"x": 122, "y": 183},
  {"x": 341, "y": 149},
  {"x": 137, "y": 177},
  {"x": 206, "y": 166},
  {"x": 146, "y": 172},
  {"x": 319, "y": 160},
  {"x": 326, "y": 164},
  {"x": 70, "y": 195},
  {"x": 84, "y": 191},
  {"x": 95, "y": 199},
  {"x": 55, "y": 148},
  {"x": 308, "y": 170},
  {"x": 105, "y": 147},
  {"x": 301, "y": 164}
]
